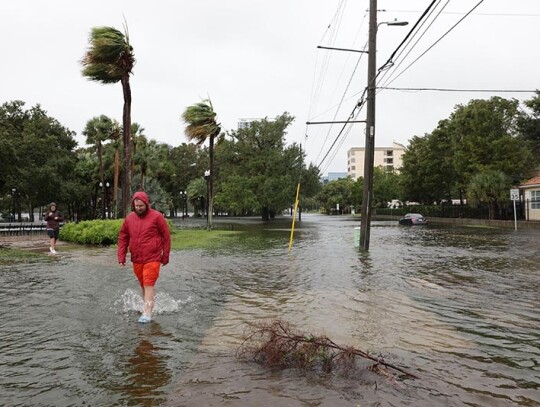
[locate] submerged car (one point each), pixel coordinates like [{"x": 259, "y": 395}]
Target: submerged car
[{"x": 411, "y": 219}]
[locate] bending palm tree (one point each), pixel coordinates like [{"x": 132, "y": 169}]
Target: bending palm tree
[
  {"x": 202, "y": 125},
  {"x": 110, "y": 59}
]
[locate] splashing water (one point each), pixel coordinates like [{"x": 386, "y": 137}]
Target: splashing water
[{"x": 132, "y": 301}]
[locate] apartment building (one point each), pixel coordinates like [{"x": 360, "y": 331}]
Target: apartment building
[{"x": 387, "y": 157}]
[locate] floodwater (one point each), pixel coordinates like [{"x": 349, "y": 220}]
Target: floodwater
[{"x": 457, "y": 306}]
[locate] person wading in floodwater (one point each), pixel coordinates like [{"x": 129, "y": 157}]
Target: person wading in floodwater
[
  {"x": 53, "y": 219},
  {"x": 147, "y": 235}
]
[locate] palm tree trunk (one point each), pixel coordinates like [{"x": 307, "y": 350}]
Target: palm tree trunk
[
  {"x": 210, "y": 183},
  {"x": 115, "y": 181},
  {"x": 101, "y": 177},
  {"x": 126, "y": 122}
]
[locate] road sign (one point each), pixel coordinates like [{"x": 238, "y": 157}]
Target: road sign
[{"x": 514, "y": 194}]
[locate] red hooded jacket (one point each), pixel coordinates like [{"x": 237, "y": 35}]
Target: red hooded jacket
[{"x": 147, "y": 236}]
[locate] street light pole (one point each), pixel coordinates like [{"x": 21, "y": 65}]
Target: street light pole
[
  {"x": 102, "y": 186},
  {"x": 208, "y": 197},
  {"x": 107, "y": 203},
  {"x": 13, "y": 199}
]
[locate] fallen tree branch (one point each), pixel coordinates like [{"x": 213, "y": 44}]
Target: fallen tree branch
[{"x": 276, "y": 345}]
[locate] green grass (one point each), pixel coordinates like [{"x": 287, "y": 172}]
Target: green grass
[
  {"x": 105, "y": 232},
  {"x": 11, "y": 256},
  {"x": 202, "y": 239},
  {"x": 480, "y": 226}
]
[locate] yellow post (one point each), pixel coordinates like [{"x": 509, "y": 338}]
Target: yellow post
[{"x": 294, "y": 215}]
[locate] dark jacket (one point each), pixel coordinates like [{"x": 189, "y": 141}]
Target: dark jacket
[
  {"x": 147, "y": 236},
  {"x": 53, "y": 218}
]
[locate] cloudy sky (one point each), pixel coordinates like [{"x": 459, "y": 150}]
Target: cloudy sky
[{"x": 259, "y": 59}]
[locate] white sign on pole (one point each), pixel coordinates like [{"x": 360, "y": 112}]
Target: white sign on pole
[{"x": 514, "y": 194}]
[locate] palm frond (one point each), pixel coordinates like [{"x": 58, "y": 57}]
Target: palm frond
[
  {"x": 109, "y": 56},
  {"x": 201, "y": 120}
]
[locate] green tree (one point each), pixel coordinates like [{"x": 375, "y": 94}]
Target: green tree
[
  {"x": 386, "y": 186},
  {"x": 490, "y": 188},
  {"x": 338, "y": 192},
  {"x": 476, "y": 138},
  {"x": 196, "y": 192},
  {"x": 42, "y": 159},
  {"x": 310, "y": 185},
  {"x": 257, "y": 158},
  {"x": 484, "y": 138},
  {"x": 97, "y": 131},
  {"x": 529, "y": 127},
  {"x": 202, "y": 126},
  {"x": 110, "y": 59},
  {"x": 184, "y": 164},
  {"x": 428, "y": 174},
  {"x": 236, "y": 195}
]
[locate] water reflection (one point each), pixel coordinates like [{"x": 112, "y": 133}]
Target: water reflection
[{"x": 147, "y": 373}]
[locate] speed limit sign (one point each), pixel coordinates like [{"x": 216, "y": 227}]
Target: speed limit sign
[{"x": 514, "y": 194}]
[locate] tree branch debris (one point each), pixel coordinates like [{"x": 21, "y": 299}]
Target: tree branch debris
[{"x": 276, "y": 345}]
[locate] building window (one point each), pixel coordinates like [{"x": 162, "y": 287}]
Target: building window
[
  {"x": 389, "y": 153},
  {"x": 353, "y": 167},
  {"x": 535, "y": 199},
  {"x": 353, "y": 160}
]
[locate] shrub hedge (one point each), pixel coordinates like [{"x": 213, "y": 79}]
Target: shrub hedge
[{"x": 96, "y": 232}]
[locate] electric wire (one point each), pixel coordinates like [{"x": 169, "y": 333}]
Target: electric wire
[
  {"x": 361, "y": 102},
  {"x": 345, "y": 91},
  {"x": 461, "y": 90},
  {"x": 317, "y": 85},
  {"x": 341, "y": 102},
  {"x": 424, "y": 18},
  {"x": 437, "y": 41}
]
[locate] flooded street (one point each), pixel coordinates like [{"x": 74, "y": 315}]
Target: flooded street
[{"x": 459, "y": 307}]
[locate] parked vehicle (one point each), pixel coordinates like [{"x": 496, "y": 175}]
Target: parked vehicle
[{"x": 412, "y": 219}]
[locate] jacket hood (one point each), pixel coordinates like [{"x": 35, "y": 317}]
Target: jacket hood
[{"x": 142, "y": 196}]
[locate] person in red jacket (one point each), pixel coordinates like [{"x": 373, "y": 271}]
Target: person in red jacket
[{"x": 147, "y": 235}]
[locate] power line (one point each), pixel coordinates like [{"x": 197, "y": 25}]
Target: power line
[
  {"x": 425, "y": 17},
  {"x": 362, "y": 100},
  {"x": 460, "y": 90},
  {"x": 475, "y": 14},
  {"x": 436, "y": 42}
]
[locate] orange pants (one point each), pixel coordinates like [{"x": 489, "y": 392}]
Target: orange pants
[{"x": 147, "y": 273}]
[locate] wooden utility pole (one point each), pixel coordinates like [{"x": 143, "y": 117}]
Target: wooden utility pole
[{"x": 370, "y": 129}]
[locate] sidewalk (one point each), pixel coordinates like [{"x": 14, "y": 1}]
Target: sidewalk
[{"x": 27, "y": 242}]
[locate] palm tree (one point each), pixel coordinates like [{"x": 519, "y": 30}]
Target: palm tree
[
  {"x": 110, "y": 59},
  {"x": 97, "y": 131},
  {"x": 202, "y": 125},
  {"x": 138, "y": 143},
  {"x": 489, "y": 187}
]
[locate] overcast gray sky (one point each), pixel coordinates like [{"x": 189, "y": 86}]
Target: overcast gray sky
[{"x": 259, "y": 59}]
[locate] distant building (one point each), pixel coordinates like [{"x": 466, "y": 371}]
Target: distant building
[
  {"x": 387, "y": 157},
  {"x": 243, "y": 123},
  {"x": 333, "y": 176},
  {"x": 531, "y": 193}
]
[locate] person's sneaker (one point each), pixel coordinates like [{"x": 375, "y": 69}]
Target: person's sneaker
[
  {"x": 52, "y": 250},
  {"x": 144, "y": 319}
]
